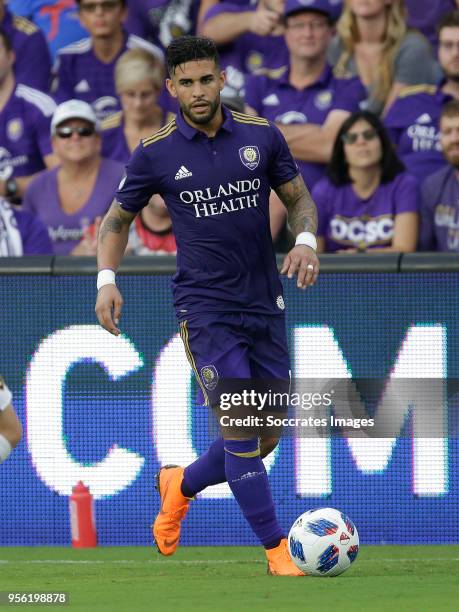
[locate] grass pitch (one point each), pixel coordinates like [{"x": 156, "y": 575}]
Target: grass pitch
[{"x": 386, "y": 578}]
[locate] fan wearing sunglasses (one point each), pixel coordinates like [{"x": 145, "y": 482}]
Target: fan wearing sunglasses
[
  {"x": 366, "y": 201},
  {"x": 77, "y": 193}
]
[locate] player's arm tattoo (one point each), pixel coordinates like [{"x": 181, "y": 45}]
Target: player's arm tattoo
[
  {"x": 301, "y": 210},
  {"x": 115, "y": 220}
]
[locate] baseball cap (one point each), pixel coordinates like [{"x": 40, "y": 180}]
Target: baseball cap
[
  {"x": 330, "y": 8},
  {"x": 73, "y": 109}
]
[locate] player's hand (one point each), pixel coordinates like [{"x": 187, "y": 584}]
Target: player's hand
[
  {"x": 108, "y": 308},
  {"x": 303, "y": 261}
]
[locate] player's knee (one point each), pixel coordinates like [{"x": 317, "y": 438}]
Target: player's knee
[{"x": 267, "y": 445}]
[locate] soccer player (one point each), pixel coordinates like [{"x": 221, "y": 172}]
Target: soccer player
[
  {"x": 215, "y": 168},
  {"x": 10, "y": 426}
]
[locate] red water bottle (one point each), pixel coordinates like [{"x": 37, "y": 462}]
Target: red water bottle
[{"x": 82, "y": 521}]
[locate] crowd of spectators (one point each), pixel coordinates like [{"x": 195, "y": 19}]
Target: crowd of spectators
[{"x": 366, "y": 93}]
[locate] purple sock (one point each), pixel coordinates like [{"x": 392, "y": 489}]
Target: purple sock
[
  {"x": 248, "y": 480},
  {"x": 208, "y": 469}
]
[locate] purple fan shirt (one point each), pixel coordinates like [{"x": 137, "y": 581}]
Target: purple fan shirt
[
  {"x": 413, "y": 126},
  {"x": 34, "y": 235},
  {"x": 33, "y": 61},
  {"x": 24, "y": 132},
  {"x": 66, "y": 230},
  {"x": 80, "y": 74},
  {"x": 440, "y": 211},
  {"x": 217, "y": 193},
  {"x": 249, "y": 53},
  {"x": 348, "y": 221},
  {"x": 278, "y": 101}
]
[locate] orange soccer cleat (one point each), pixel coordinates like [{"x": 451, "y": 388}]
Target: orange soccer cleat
[
  {"x": 280, "y": 562},
  {"x": 174, "y": 506}
]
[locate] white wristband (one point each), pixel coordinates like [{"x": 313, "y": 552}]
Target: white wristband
[
  {"x": 105, "y": 277},
  {"x": 5, "y": 395},
  {"x": 306, "y": 239}
]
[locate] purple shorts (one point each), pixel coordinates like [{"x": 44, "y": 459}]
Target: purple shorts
[{"x": 222, "y": 346}]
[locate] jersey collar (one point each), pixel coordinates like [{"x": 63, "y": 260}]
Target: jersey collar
[{"x": 190, "y": 132}]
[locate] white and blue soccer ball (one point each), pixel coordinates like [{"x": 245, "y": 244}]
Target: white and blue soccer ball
[{"x": 323, "y": 542}]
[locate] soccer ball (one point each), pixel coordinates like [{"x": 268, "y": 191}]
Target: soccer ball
[{"x": 323, "y": 542}]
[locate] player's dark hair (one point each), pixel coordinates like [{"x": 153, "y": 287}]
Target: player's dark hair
[
  {"x": 451, "y": 109},
  {"x": 189, "y": 49},
  {"x": 6, "y": 40},
  {"x": 450, "y": 20},
  {"x": 338, "y": 169}
]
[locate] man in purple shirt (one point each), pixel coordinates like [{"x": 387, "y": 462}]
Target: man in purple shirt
[
  {"x": 413, "y": 119},
  {"x": 85, "y": 69},
  {"x": 25, "y": 113},
  {"x": 227, "y": 293},
  {"x": 440, "y": 192},
  {"x": 308, "y": 102},
  {"x": 33, "y": 61}
]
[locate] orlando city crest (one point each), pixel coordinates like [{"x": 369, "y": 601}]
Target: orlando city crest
[
  {"x": 209, "y": 377},
  {"x": 250, "y": 156}
]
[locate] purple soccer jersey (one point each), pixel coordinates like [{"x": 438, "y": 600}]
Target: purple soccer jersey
[
  {"x": 66, "y": 230},
  {"x": 440, "y": 212},
  {"x": 24, "y": 132},
  {"x": 278, "y": 101},
  {"x": 80, "y": 74},
  {"x": 32, "y": 65},
  {"x": 348, "y": 221},
  {"x": 249, "y": 53},
  {"x": 413, "y": 125},
  {"x": 217, "y": 193}
]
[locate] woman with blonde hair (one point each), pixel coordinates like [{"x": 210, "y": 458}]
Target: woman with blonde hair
[
  {"x": 139, "y": 80},
  {"x": 373, "y": 42}
]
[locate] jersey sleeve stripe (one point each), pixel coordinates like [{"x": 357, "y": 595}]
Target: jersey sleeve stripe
[
  {"x": 265, "y": 123},
  {"x": 238, "y": 115},
  {"x": 163, "y": 133}
]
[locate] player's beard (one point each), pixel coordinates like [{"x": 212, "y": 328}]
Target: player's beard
[{"x": 202, "y": 119}]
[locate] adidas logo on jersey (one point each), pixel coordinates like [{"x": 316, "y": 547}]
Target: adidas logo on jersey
[
  {"x": 183, "y": 173},
  {"x": 82, "y": 86},
  {"x": 424, "y": 118}
]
